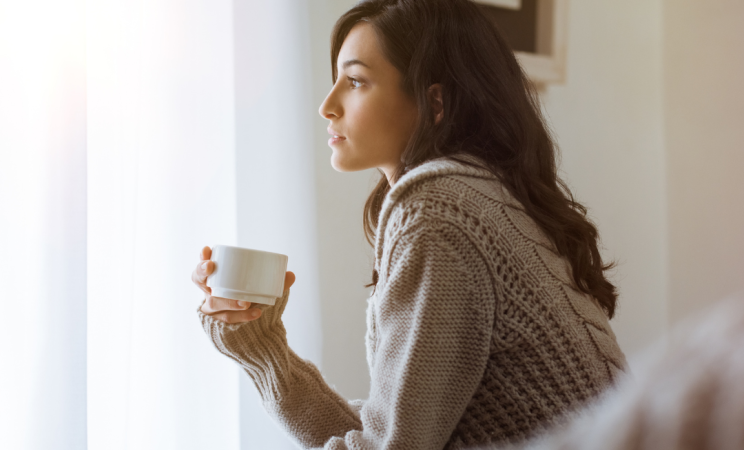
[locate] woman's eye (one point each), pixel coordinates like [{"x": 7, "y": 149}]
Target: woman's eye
[{"x": 354, "y": 83}]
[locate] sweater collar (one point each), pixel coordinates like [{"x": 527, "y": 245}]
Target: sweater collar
[{"x": 429, "y": 169}]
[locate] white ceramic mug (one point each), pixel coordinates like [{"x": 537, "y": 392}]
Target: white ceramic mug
[{"x": 247, "y": 275}]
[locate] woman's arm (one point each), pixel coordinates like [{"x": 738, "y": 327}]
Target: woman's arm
[
  {"x": 434, "y": 318},
  {"x": 292, "y": 389}
]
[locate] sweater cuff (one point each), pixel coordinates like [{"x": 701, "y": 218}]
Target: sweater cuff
[{"x": 259, "y": 347}]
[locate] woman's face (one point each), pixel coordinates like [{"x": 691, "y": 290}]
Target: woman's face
[{"x": 367, "y": 108}]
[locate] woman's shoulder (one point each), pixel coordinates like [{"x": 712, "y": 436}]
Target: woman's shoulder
[
  {"x": 459, "y": 190},
  {"x": 448, "y": 180},
  {"x": 467, "y": 197},
  {"x": 433, "y": 186}
]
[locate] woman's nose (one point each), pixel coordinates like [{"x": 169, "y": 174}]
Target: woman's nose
[{"x": 329, "y": 108}]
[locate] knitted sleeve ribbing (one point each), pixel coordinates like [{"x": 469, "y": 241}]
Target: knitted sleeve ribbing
[{"x": 292, "y": 389}]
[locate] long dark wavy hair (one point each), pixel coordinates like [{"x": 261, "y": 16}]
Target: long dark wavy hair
[{"x": 491, "y": 111}]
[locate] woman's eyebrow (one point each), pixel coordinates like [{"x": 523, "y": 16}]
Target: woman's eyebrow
[{"x": 352, "y": 62}]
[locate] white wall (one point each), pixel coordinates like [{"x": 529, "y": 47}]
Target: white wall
[
  {"x": 608, "y": 121},
  {"x": 345, "y": 259},
  {"x": 274, "y": 112},
  {"x": 704, "y": 113}
]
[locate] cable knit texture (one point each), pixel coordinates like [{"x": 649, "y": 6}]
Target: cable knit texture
[
  {"x": 686, "y": 393},
  {"x": 475, "y": 334}
]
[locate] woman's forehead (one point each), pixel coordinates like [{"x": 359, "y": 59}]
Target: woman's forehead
[{"x": 360, "y": 45}]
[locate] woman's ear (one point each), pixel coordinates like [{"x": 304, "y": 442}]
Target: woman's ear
[{"x": 436, "y": 102}]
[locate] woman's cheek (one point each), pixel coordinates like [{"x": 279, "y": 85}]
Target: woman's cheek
[{"x": 362, "y": 130}]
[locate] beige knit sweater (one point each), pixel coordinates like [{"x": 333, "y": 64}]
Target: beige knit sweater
[
  {"x": 686, "y": 393},
  {"x": 474, "y": 335}
]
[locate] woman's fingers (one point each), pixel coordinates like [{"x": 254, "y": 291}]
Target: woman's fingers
[
  {"x": 206, "y": 253},
  {"x": 289, "y": 279},
  {"x": 238, "y": 316},
  {"x": 199, "y": 275},
  {"x": 214, "y": 305}
]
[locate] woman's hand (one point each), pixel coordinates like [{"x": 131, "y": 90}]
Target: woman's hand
[{"x": 224, "y": 309}]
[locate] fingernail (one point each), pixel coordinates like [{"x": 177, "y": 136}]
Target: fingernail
[
  {"x": 241, "y": 304},
  {"x": 205, "y": 265},
  {"x": 254, "y": 313}
]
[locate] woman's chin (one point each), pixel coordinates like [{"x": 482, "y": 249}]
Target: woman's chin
[
  {"x": 341, "y": 164},
  {"x": 344, "y": 161}
]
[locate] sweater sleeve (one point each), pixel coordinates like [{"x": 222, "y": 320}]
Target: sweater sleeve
[
  {"x": 292, "y": 389},
  {"x": 433, "y": 320}
]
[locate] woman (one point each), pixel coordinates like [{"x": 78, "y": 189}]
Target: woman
[{"x": 489, "y": 317}]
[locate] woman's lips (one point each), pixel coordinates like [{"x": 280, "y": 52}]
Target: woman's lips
[
  {"x": 335, "y": 137},
  {"x": 335, "y": 140}
]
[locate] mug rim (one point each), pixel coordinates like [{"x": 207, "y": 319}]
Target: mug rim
[{"x": 233, "y": 247}]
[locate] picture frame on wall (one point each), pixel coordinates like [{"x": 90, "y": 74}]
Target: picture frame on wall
[
  {"x": 536, "y": 30},
  {"x": 510, "y": 4}
]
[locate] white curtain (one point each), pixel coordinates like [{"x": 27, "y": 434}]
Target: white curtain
[
  {"x": 42, "y": 225},
  {"x": 118, "y": 163},
  {"x": 161, "y": 186}
]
